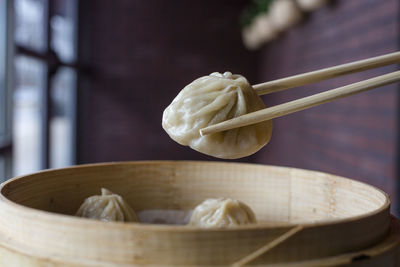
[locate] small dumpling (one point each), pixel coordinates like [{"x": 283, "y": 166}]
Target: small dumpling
[
  {"x": 259, "y": 32},
  {"x": 107, "y": 207},
  {"x": 310, "y": 5},
  {"x": 222, "y": 212},
  {"x": 284, "y": 14},
  {"x": 210, "y": 100}
]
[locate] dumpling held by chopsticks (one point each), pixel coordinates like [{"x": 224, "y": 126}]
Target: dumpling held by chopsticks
[{"x": 212, "y": 99}]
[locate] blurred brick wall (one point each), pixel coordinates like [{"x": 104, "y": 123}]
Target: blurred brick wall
[
  {"x": 355, "y": 137},
  {"x": 141, "y": 54}
]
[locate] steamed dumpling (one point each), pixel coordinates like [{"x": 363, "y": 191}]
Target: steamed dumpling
[
  {"x": 259, "y": 32},
  {"x": 210, "y": 100},
  {"x": 107, "y": 207},
  {"x": 284, "y": 14},
  {"x": 222, "y": 212},
  {"x": 310, "y": 5}
]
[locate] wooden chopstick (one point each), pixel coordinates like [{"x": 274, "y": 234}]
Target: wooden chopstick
[
  {"x": 327, "y": 73},
  {"x": 302, "y": 103}
]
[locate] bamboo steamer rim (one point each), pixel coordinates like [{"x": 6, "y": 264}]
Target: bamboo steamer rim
[
  {"x": 181, "y": 228},
  {"x": 377, "y": 253},
  {"x": 382, "y": 250}
]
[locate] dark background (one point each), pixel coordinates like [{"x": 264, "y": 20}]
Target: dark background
[{"x": 140, "y": 54}]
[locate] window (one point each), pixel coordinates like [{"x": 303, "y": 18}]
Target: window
[
  {"x": 45, "y": 78},
  {"x": 30, "y": 82},
  {"x": 5, "y": 94},
  {"x": 62, "y": 123}
]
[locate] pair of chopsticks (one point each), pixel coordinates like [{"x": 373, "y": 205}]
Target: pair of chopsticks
[{"x": 313, "y": 100}]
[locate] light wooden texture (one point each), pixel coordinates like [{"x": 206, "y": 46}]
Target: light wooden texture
[
  {"x": 386, "y": 254},
  {"x": 302, "y": 103},
  {"x": 338, "y": 215},
  {"x": 264, "y": 249},
  {"x": 327, "y": 73}
]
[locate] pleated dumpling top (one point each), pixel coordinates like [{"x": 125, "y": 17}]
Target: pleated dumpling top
[
  {"x": 222, "y": 212},
  {"x": 212, "y": 99},
  {"x": 107, "y": 207}
]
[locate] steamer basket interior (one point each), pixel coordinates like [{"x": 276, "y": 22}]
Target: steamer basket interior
[
  {"x": 337, "y": 215},
  {"x": 276, "y": 194}
]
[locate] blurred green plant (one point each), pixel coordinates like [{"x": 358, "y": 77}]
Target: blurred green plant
[{"x": 255, "y": 8}]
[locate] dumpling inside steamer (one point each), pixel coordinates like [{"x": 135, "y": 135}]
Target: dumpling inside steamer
[
  {"x": 210, "y": 100},
  {"x": 221, "y": 212},
  {"x": 107, "y": 207}
]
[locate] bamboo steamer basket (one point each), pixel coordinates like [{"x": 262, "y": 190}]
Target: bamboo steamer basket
[{"x": 340, "y": 218}]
